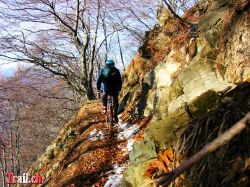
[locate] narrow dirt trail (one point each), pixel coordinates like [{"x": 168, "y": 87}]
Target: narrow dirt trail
[
  {"x": 84, "y": 154},
  {"x": 93, "y": 154}
]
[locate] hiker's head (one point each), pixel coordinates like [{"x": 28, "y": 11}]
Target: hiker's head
[{"x": 110, "y": 62}]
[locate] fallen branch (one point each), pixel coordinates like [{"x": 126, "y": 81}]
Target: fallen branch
[{"x": 223, "y": 139}]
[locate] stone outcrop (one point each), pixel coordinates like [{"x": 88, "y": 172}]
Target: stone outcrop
[{"x": 184, "y": 75}]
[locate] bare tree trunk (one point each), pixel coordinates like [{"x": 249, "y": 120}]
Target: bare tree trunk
[
  {"x": 90, "y": 93},
  {"x": 18, "y": 165},
  {"x": 105, "y": 35},
  {"x": 99, "y": 64},
  {"x": 12, "y": 159},
  {"x": 3, "y": 168},
  {"x": 120, "y": 48},
  {"x": 4, "y": 163},
  {"x": 84, "y": 73}
]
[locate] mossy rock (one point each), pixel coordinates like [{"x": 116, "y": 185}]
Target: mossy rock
[
  {"x": 149, "y": 79},
  {"x": 71, "y": 132},
  {"x": 132, "y": 79},
  {"x": 207, "y": 51},
  {"x": 125, "y": 183},
  {"x": 161, "y": 101},
  {"x": 150, "y": 103},
  {"x": 49, "y": 173},
  {"x": 49, "y": 152},
  {"x": 167, "y": 130},
  {"x": 201, "y": 104},
  {"x": 51, "y": 155},
  {"x": 176, "y": 90},
  {"x": 134, "y": 175},
  {"x": 143, "y": 151}
]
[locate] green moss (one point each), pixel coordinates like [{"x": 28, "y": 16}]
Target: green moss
[
  {"x": 200, "y": 105},
  {"x": 162, "y": 131},
  {"x": 132, "y": 79},
  {"x": 51, "y": 155},
  {"x": 37, "y": 167},
  {"x": 143, "y": 151},
  {"x": 176, "y": 90},
  {"x": 49, "y": 173},
  {"x": 134, "y": 175},
  {"x": 50, "y": 151}
]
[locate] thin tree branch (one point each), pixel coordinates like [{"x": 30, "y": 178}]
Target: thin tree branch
[
  {"x": 76, "y": 17},
  {"x": 175, "y": 15},
  {"x": 120, "y": 49},
  {"x": 223, "y": 139}
]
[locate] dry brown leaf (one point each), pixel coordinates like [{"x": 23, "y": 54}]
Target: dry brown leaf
[
  {"x": 154, "y": 166},
  {"x": 167, "y": 156}
]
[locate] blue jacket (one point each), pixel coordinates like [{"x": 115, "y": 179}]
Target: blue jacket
[{"x": 112, "y": 85}]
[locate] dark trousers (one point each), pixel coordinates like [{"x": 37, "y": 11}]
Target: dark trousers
[{"x": 115, "y": 96}]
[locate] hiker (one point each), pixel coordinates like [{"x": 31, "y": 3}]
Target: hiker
[{"x": 111, "y": 78}]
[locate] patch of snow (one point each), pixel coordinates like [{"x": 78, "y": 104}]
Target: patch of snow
[
  {"x": 92, "y": 132},
  {"x": 94, "y": 138},
  {"x": 100, "y": 135},
  {"x": 94, "y": 135},
  {"x": 129, "y": 132},
  {"x": 130, "y": 145},
  {"x": 121, "y": 125},
  {"x": 125, "y": 150},
  {"x": 115, "y": 179}
]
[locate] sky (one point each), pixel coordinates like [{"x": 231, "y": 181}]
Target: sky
[
  {"x": 8, "y": 72},
  {"x": 8, "y": 69}
]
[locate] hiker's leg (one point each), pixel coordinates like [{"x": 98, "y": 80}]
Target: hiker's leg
[
  {"x": 116, "y": 104},
  {"x": 105, "y": 99}
]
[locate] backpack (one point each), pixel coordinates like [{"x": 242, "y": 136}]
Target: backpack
[{"x": 109, "y": 73}]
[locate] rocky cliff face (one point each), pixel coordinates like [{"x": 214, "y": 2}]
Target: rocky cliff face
[
  {"x": 180, "y": 72},
  {"x": 182, "y": 78}
]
